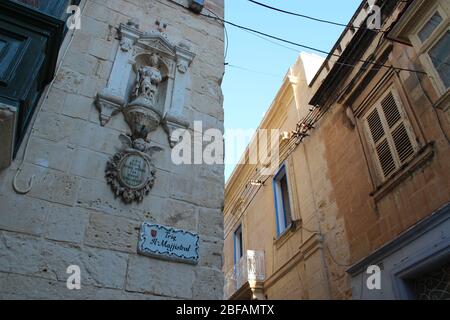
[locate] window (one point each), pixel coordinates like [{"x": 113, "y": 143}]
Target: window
[
  {"x": 389, "y": 135},
  {"x": 440, "y": 56},
  {"x": 238, "y": 245},
  {"x": 55, "y": 8},
  {"x": 31, "y": 34},
  {"x": 432, "y": 41},
  {"x": 282, "y": 201},
  {"x": 433, "y": 285},
  {"x": 430, "y": 27}
]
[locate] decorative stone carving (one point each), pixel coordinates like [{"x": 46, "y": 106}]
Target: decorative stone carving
[
  {"x": 108, "y": 106},
  {"x": 148, "y": 85},
  {"x": 170, "y": 126},
  {"x": 161, "y": 26},
  {"x": 183, "y": 66},
  {"x": 130, "y": 172},
  {"x": 158, "y": 71},
  {"x": 126, "y": 44},
  {"x": 141, "y": 120}
]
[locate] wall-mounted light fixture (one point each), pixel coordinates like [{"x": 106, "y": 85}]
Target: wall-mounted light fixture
[{"x": 196, "y": 5}]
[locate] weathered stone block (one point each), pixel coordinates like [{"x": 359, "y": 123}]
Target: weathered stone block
[
  {"x": 160, "y": 277},
  {"x": 211, "y": 253},
  {"x": 97, "y": 195},
  {"x": 179, "y": 215},
  {"x": 95, "y": 28},
  {"x": 53, "y": 127},
  {"x": 56, "y": 187},
  {"x": 194, "y": 191},
  {"x": 39, "y": 258},
  {"x": 102, "y": 268},
  {"x": 210, "y": 223},
  {"x": 66, "y": 224},
  {"x": 19, "y": 287},
  {"x": 81, "y": 62},
  {"x": 54, "y": 100},
  {"x": 49, "y": 154},
  {"x": 105, "y": 231},
  {"x": 23, "y": 214},
  {"x": 81, "y": 42},
  {"x": 102, "y": 49},
  {"x": 70, "y": 80},
  {"x": 20, "y": 254},
  {"x": 89, "y": 164},
  {"x": 78, "y": 106},
  {"x": 208, "y": 285}
]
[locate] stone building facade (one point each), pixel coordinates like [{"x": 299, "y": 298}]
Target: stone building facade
[
  {"x": 127, "y": 77},
  {"x": 358, "y": 206}
]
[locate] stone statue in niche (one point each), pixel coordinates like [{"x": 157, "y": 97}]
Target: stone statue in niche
[
  {"x": 144, "y": 113},
  {"x": 147, "y": 85},
  {"x": 147, "y": 82}
]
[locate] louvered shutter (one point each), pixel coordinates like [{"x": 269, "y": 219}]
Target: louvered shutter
[
  {"x": 397, "y": 123},
  {"x": 388, "y": 129},
  {"x": 381, "y": 143}
]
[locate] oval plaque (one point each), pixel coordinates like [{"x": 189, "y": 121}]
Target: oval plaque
[
  {"x": 131, "y": 175},
  {"x": 134, "y": 171}
]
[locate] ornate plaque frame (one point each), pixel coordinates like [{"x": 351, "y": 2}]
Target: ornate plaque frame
[{"x": 122, "y": 189}]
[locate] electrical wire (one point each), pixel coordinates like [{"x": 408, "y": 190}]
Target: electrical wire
[
  {"x": 321, "y": 51},
  {"x": 329, "y": 54},
  {"x": 250, "y": 70},
  {"x": 273, "y": 42},
  {"x": 325, "y": 110},
  {"x": 312, "y": 18},
  {"x": 226, "y": 34},
  {"x": 299, "y": 51}
]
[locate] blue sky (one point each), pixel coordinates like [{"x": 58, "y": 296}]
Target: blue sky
[{"x": 248, "y": 94}]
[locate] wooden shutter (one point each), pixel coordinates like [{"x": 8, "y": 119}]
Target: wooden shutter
[
  {"x": 397, "y": 124},
  {"x": 389, "y": 132},
  {"x": 381, "y": 143}
]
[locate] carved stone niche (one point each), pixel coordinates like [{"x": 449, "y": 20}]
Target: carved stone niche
[{"x": 147, "y": 83}]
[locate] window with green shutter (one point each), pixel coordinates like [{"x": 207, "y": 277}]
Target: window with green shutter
[{"x": 31, "y": 33}]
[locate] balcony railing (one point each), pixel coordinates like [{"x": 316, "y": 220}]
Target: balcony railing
[{"x": 250, "y": 268}]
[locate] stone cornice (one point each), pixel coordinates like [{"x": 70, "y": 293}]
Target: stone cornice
[{"x": 406, "y": 20}]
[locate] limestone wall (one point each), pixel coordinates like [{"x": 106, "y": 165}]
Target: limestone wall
[{"x": 70, "y": 217}]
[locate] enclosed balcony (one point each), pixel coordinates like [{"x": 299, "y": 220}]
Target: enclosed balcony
[
  {"x": 31, "y": 34},
  {"x": 246, "y": 280}
]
